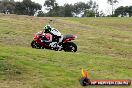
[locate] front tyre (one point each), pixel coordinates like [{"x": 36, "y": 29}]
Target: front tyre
[
  {"x": 70, "y": 47},
  {"x": 33, "y": 44}
]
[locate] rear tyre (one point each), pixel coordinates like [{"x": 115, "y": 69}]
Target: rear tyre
[{"x": 70, "y": 47}]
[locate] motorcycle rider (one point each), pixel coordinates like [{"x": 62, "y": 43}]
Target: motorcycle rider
[
  {"x": 46, "y": 31},
  {"x": 55, "y": 37}
]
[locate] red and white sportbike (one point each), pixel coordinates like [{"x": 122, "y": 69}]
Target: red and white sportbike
[{"x": 64, "y": 42}]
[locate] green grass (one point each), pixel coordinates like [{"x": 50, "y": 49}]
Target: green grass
[{"x": 104, "y": 50}]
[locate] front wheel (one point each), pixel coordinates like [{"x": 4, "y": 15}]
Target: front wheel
[
  {"x": 35, "y": 45},
  {"x": 70, "y": 47}
]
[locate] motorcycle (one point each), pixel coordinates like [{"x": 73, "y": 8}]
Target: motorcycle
[{"x": 65, "y": 44}]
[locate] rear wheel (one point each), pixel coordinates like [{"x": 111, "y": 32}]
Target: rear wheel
[{"x": 70, "y": 47}]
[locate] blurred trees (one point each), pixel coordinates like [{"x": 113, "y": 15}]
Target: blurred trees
[
  {"x": 112, "y": 3},
  {"x": 7, "y": 6},
  {"x": 26, "y": 7},
  {"x": 69, "y": 10},
  {"x": 52, "y": 7},
  {"x": 123, "y": 11},
  {"x": 50, "y": 4},
  {"x": 81, "y": 9}
]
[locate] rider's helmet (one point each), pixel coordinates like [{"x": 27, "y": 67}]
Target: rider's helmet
[{"x": 47, "y": 28}]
